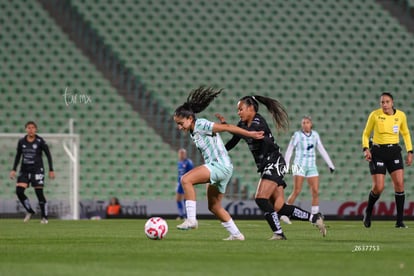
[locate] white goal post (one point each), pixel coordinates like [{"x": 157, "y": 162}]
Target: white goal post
[{"x": 62, "y": 193}]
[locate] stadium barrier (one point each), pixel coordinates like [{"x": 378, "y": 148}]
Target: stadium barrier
[{"x": 239, "y": 209}]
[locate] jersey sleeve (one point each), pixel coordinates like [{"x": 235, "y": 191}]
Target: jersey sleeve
[
  {"x": 235, "y": 139},
  {"x": 405, "y": 133},
  {"x": 324, "y": 153},
  {"x": 204, "y": 126},
  {"x": 368, "y": 130},
  {"x": 289, "y": 150},
  {"x": 46, "y": 150},
  {"x": 18, "y": 155}
]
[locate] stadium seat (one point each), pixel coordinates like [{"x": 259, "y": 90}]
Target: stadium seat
[{"x": 315, "y": 58}]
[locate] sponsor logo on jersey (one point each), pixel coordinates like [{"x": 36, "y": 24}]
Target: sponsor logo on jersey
[{"x": 309, "y": 147}]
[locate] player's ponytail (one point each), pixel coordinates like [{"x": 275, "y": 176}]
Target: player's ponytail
[
  {"x": 275, "y": 108},
  {"x": 197, "y": 101}
]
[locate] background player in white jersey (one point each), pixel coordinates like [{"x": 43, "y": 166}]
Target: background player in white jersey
[
  {"x": 305, "y": 142},
  {"x": 218, "y": 167}
]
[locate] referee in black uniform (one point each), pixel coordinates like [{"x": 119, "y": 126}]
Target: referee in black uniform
[{"x": 32, "y": 170}]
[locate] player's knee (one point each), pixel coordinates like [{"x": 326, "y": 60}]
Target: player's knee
[
  {"x": 296, "y": 192},
  {"x": 214, "y": 207},
  {"x": 40, "y": 195},
  {"x": 20, "y": 191},
  {"x": 184, "y": 181},
  {"x": 378, "y": 189},
  {"x": 264, "y": 205},
  {"x": 399, "y": 186},
  {"x": 315, "y": 193}
]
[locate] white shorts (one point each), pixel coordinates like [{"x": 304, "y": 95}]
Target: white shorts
[
  {"x": 220, "y": 175},
  {"x": 305, "y": 171}
]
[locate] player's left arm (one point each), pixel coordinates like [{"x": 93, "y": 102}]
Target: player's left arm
[
  {"x": 46, "y": 150},
  {"x": 324, "y": 154},
  {"x": 237, "y": 130},
  {"x": 405, "y": 133}
]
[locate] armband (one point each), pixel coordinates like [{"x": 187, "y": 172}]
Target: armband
[
  {"x": 364, "y": 149},
  {"x": 410, "y": 151}
]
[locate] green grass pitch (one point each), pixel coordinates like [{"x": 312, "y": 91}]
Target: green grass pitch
[{"x": 120, "y": 247}]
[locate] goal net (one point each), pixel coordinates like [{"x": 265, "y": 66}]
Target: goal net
[{"x": 61, "y": 193}]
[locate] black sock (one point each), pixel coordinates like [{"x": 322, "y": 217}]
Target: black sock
[
  {"x": 270, "y": 214},
  {"x": 372, "y": 198},
  {"x": 42, "y": 202},
  {"x": 294, "y": 212},
  {"x": 399, "y": 202},
  {"x": 23, "y": 199}
]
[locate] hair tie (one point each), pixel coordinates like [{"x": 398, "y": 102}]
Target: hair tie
[{"x": 254, "y": 99}]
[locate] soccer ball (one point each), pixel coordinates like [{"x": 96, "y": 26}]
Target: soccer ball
[{"x": 156, "y": 228}]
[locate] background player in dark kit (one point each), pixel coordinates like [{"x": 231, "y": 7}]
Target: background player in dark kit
[{"x": 30, "y": 147}]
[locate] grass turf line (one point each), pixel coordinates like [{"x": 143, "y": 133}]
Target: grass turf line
[{"x": 120, "y": 247}]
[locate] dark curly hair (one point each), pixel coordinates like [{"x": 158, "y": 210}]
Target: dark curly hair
[{"x": 197, "y": 101}]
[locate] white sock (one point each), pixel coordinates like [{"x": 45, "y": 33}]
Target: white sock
[
  {"x": 315, "y": 209},
  {"x": 231, "y": 227},
  {"x": 190, "y": 206}
]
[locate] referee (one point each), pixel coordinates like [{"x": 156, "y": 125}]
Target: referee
[{"x": 386, "y": 123}]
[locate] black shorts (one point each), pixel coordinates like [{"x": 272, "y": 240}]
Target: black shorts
[
  {"x": 385, "y": 157},
  {"x": 274, "y": 169},
  {"x": 35, "y": 179}
]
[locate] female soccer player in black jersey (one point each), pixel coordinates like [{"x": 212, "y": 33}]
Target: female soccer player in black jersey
[
  {"x": 270, "y": 163},
  {"x": 31, "y": 147}
]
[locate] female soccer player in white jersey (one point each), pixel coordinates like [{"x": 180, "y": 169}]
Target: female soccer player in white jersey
[
  {"x": 218, "y": 167},
  {"x": 305, "y": 142}
]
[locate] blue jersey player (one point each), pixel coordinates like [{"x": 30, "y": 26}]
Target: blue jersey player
[{"x": 184, "y": 165}]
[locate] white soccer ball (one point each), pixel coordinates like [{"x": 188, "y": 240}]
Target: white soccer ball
[{"x": 156, "y": 228}]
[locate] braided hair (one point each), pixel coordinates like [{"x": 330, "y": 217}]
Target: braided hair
[
  {"x": 197, "y": 101},
  {"x": 275, "y": 108}
]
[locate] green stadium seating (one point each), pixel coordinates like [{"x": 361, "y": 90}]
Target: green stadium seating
[
  {"x": 34, "y": 87},
  {"x": 327, "y": 59}
]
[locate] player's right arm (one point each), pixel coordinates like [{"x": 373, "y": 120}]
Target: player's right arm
[
  {"x": 234, "y": 139},
  {"x": 366, "y": 134},
  {"x": 16, "y": 160},
  {"x": 238, "y": 131},
  {"x": 289, "y": 150}
]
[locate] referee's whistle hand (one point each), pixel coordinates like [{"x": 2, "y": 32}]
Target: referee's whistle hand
[
  {"x": 409, "y": 159},
  {"x": 367, "y": 155}
]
